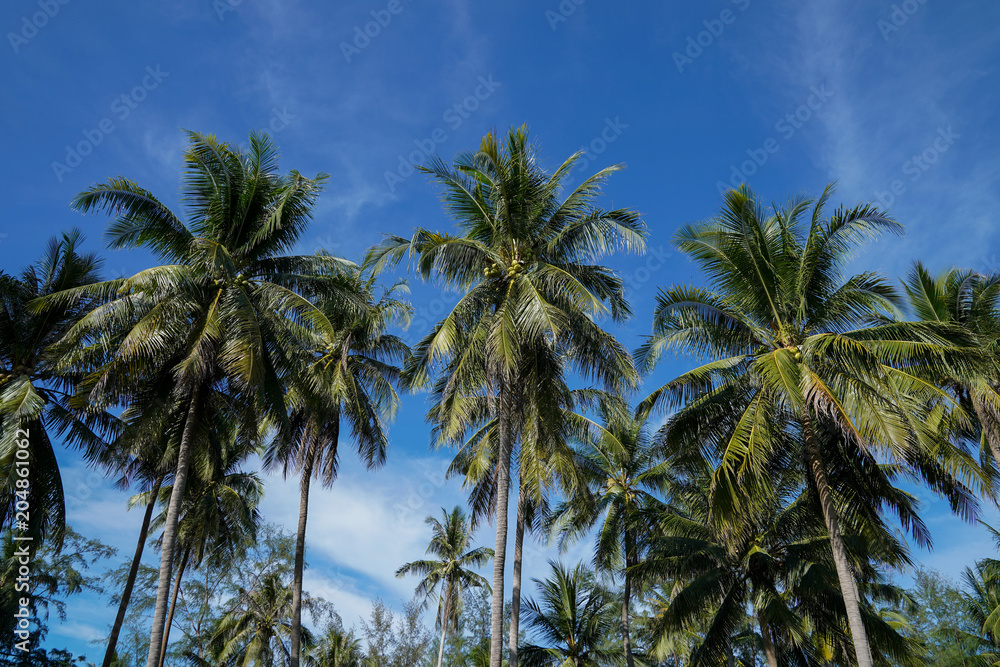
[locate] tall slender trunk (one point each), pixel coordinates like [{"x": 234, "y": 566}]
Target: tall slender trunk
[
  {"x": 173, "y": 608},
  {"x": 845, "y": 574},
  {"x": 765, "y": 635},
  {"x": 170, "y": 532},
  {"x": 988, "y": 423},
  {"x": 109, "y": 653},
  {"x": 515, "y": 602},
  {"x": 444, "y": 620},
  {"x": 502, "y": 502},
  {"x": 626, "y": 599},
  {"x": 300, "y": 542}
]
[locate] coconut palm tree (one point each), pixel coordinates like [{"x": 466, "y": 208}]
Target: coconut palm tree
[
  {"x": 219, "y": 515},
  {"x": 983, "y": 597},
  {"x": 35, "y": 393},
  {"x": 542, "y": 454},
  {"x": 573, "y": 618},
  {"x": 349, "y": 375},
  {"x": 214, "y": 315},
  {"x": 524, "y": 260},
  {"x": 336, "y": 648},
  {"x": 789, "y": 344},
  {"x": 769, "y": 576},
  {"x": 450, "y": 570},
  {"x": 970, "y": 301},
  {"x": 624, "y": 481},
  {"x": 141, "y": 458},
  {"x": 256, "y": 628}
]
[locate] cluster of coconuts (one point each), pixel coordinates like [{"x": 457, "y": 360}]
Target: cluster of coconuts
[
  {"x": 240, "y": 280},
  {"x": 494, "y": 270},
  {"x": 796, "y": 352}
]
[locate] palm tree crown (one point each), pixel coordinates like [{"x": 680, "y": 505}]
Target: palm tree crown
[{"x": 793, "y": 350}]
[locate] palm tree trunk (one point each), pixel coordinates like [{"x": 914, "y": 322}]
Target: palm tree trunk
[
  {"x": 515, "y": 603},
  {"x": 170, "y": 532},
  {"x": 109, "y": 653},
  {"x": 988, "y": 424},
  {"x": 626, "y": 634},
  {"x": 444, "y": 621},
  {"x": 300, "y": 544},
  {"x": 500, "y": 550},
  {"x": 173, "y": 608},
  {"x": 765, "y": 635},
  {"x": 845, "y": 574}
]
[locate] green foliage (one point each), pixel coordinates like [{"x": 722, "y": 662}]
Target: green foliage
[
  {"x": 572, "y": 621},
  {"x": 52, "y": 576},
  {"x": 35, "y": 391},
  {"x": 939, "y": 620}
]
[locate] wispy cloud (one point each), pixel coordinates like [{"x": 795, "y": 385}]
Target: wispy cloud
[{"x": 892, "y": 99}]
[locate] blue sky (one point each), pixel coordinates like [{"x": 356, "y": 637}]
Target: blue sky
[{"x": 895, "y": 100}]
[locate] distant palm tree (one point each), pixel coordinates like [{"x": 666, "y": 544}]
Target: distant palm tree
[
  {"x": 624, "y": 481},
  {"x": 449, "y": 575},
  {"x": 573, "y": 619},
  {"x": 336, "y": 648},
  {"x": 349, "y": 375},
  {"x": 791, "y": 342},
  {"x": 217, "y": 314},
  {"x": 525, "y": 262},
  {"x": 257, "y": 627},
  {"x": 35, "y": 392}
]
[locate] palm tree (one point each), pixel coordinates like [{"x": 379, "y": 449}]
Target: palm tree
[
  {"x": 257, "y": 626},
  {"x": 219, "y": 515},
  {"x": 790, "y": 345},
  {"x": 573, "y": 618},
  {"x": 983, "y": 598},
  {"x": 524, "y": 262},
  {"x": 970, "y": 301},
  {"x": 215, "y": 315},
  {"x": 771, "y": 569},
  {"x": 623, "y": 475},
  {"x": 142, "y": 459},
  {"x": 349, "y": 375},
  {"x": 544, "y": 459},
  {"x": 34, "y": 393},
  {"x": 450, "y": 571},
  {"x": 336, "y": 648}
]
